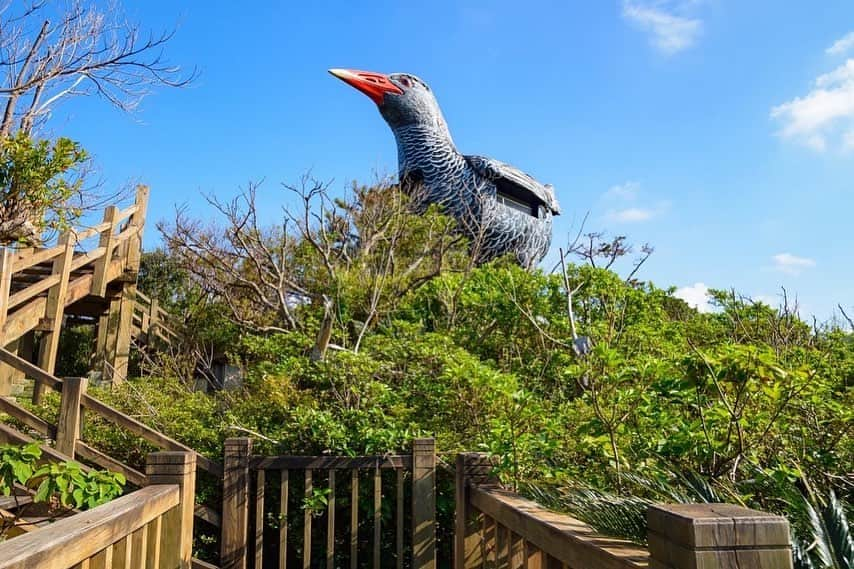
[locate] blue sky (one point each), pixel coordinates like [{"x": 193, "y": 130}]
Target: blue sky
[{"x": 720, "y": 131}]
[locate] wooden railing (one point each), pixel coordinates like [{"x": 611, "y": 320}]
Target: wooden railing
[
  {"x": 67, "y": 432},
  {"x": 152, "y": 527},
  {"x": 119, "y": 236},
  {"x": 152, "y": 322},
  {"x": 245, "y": 507},
  {"x": 496, "y": 528}
]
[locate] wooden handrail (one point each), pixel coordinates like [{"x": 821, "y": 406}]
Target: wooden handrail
[
  {"x": 33, "y": 290},
  {"x": 109, "y": 413},
  {"x": 162, "y": 441},
  {"x": 77, "y": 538},
  {"x": 25, "y": 262},
  {"x": 329, "y": 462},
  {"x": 560, "y": 536}
]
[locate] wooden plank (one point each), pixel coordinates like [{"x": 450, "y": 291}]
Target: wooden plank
[
  {"x": 32, "y": 421},
  {"x": 33, "y": 290},
  {"x": 283, "y": 521},
  {"x": 107, "y": 241},
  {"x": 564, "y": 537},
  {"x": 199, "y": 564},
  {"x": 11, "y": 436},
  {"x": 121, "y": 553},
  {"x": 208, "y": 514},
  {"x": 167, "y": 468},
  {"x": 488, "y": 532},
  {"x": 68, "y": 427},
  {"x": 54, "y": 309},
  {"x": 533, "y": 556},
  {"x": 378, "y": 515},
  {"x": 167, "y": 443},
  {"x": 93, "y": 455},
  {"x": 92, "y": 231},
  {"x": 502, "y": 547},
  {"x": 424, "y": 503},
  {"x": 259, "y": 519},
  {"x": 329, "y": 462},
  {"x": 354, "y": 518},
  {"x": 121, "y": 351},
  {"x": 517, "y": 551},
  {"x": 235, "y": 503},
  {"x": 81, "y": 536},
  {"x": 399, "y": 520},
  {"x": 153, "y": 543},
  {"x": 30, "y": 370},
  {"x": 36, "y": 257},
  {"x": 330, "y": 522},
  {"x": 140, "y": 549},
  {"x": 306, "y": 540},
  {"x": 87, "y": 258}
]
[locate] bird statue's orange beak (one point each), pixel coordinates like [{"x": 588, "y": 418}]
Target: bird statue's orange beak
[{"x": 374, "y": 85}]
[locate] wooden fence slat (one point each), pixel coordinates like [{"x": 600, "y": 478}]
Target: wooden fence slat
[
  {"x": 259, "y": 519},
  {"x": 533, "y": 556},
  {"x": 330, "y": 523},
  {"x": 517, "y": 551},
  {"x": 378, "y": 514},
  {"x": 354, "y": 518},
  {"x": 503, "y": 547},
  {"x": 489, "y": 542},
  {"x": 153, "y": 544},
  {"x": 306, "y": 543},
  {"x": 399, "y": 519},
  {"x": 283, "y": 521}
]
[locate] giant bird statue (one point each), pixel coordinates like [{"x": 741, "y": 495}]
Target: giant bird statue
[{"x": 502, "y": 209}]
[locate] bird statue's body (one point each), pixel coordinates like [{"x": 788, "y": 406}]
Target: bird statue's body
[{"x": 501, "y": 209}]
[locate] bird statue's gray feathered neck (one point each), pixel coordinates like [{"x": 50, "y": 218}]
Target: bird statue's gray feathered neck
[{"x": 501, "y": 209}]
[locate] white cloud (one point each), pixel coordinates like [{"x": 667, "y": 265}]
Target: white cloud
[
  {"x": 622, "y": 201},
  {"x": 791, "y": 264},
  {"x": 842, "y": 45},
  {"x": 669, "y": 33},
  {"x": 627, "y": 191},
  {"x": 696, "y": 295},
  {"x": 631, "y": 214},
  {"x": 817, "y": 118}
]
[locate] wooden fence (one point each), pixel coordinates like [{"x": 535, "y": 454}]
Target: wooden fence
[
  {"x": 67, "y": 432},
  {"x": 245, "y": 507},
  {"x": 149, "y": 528},
  {"x": 496, "y": 528}
]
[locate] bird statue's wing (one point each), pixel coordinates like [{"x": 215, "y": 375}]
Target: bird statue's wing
[{"x": 515, "y": 179}]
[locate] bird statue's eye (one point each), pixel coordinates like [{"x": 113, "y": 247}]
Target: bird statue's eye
[{"x": 405, "y": 82}]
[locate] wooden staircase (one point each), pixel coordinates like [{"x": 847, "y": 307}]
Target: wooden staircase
[{"x": 89, "y": 273}]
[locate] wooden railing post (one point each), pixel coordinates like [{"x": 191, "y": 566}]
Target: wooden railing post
[
  {"x": 688, "y": 536},
  {"x": 70, "y": 412},
  {"x": 476, "y": 469},
  {"x": 54, "y": 309},
  {"x": 107, "y": 241},
  {"x": 6, "y": 259},
  {"x": 137, "y": 224},
  {"x": 235, "y": 503},
  {"x": 175, "y": 467},
  {"x": 424, "y": 503}
]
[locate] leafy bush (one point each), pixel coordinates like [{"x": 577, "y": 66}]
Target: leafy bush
[{"x": 61, "y": 485}]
